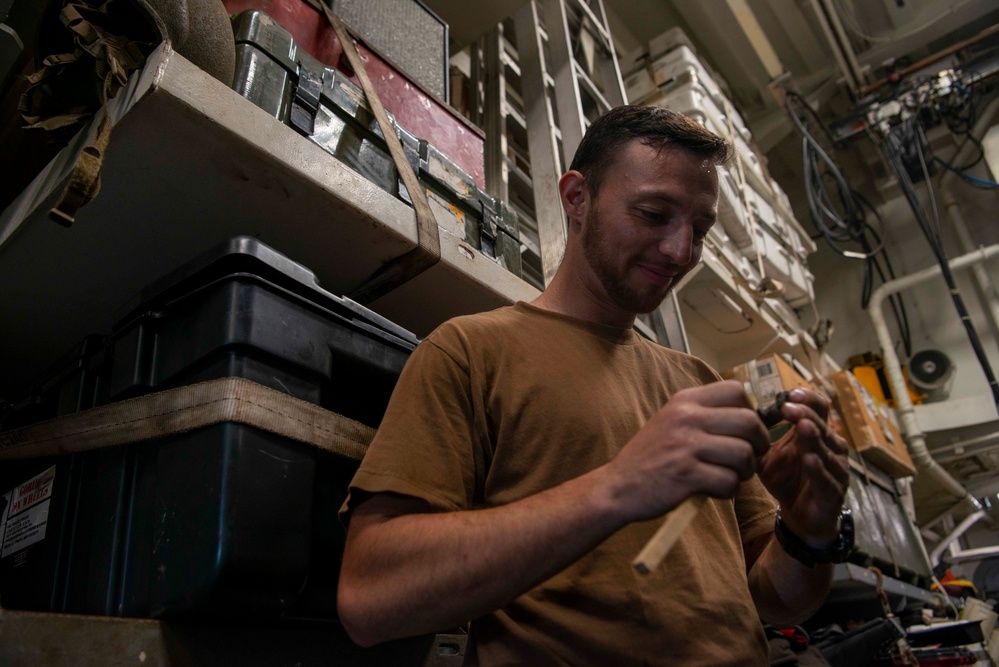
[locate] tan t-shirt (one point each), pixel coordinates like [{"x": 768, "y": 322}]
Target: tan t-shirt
[{"x": 496, "y": 407}]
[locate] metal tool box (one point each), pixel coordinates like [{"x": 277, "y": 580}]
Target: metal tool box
[
  {"x": 421, "y": 111},
  {"x": 225, "y": 520},
  {"x": 322, "y": 104},
  {"x": 885, "y": 535},
  {"x": 469, "y": 213}
]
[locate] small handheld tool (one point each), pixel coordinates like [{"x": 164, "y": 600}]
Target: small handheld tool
[
  {"x": 655, "y": 550},
  {"x": 770, "y": 413}
]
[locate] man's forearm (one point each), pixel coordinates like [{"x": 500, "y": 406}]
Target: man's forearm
[
  {"x": 786, "y": 591},
  {"x": 418, "y": 573}
]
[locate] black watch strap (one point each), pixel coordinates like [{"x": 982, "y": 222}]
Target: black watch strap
[{"x": 810, "y": 556}]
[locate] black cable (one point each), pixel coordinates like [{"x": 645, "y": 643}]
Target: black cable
[
  {"x": 908, "y": 133},
  {"x": 837, "y": 211},
  {"x": 887, "y": 273},
  {"x": 837, "y": 226}
]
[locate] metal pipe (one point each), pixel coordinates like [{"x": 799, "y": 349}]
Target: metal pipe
[
  {"x": 852, "y": 80},
  {"x": 844, "y": 43},
  {"x": 954, "y": 535},
  {"x": 910, "y": 426}
]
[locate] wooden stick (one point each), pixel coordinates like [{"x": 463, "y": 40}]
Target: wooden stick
[{"x": 655, "y": 550}]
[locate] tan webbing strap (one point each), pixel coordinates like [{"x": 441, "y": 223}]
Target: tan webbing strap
[
  {"x": 185, "y": 409},
  {"x": 428, "y": 250},
  {"x": 114, "y": 57},
  {"x": 31, "y": 105},
  {"x": 85, "y": 180}
]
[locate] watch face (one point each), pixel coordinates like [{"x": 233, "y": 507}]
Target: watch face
[{"x": 844, "y": 544}]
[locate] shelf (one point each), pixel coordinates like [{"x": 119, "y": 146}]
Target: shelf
[
  {"x": 852, "y": 577},
  {"x": 70, "y": 640},
  {"x": 853, "y": 597},
  {"x": 190, "y": 164}
]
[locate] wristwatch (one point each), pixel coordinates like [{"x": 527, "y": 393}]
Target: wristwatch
[{"x": 797, "y": 548}]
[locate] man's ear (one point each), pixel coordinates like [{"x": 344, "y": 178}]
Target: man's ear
[{"x": 572, "y": 191}]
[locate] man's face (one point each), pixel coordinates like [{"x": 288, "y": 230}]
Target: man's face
[{"x": 644, "y": 229}]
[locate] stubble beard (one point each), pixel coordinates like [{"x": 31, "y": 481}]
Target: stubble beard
[{"x": 601, "y": 260}]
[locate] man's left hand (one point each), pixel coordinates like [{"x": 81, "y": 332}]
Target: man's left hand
[{"x": 807, "y": 470}]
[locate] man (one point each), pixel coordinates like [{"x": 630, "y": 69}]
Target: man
[{"x": 529, "y": 453}]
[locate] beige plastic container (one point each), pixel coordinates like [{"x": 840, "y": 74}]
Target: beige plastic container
[{"x": 976, "y": 610}]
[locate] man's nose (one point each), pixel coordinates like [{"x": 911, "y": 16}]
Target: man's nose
[{"x": 677, "y": 245}]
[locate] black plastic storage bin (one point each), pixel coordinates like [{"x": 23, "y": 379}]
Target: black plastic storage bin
[
  {"x": 38, "y": 498},
  {"x": 227, "y": 520},
  {"x": 77, "y": 381}
]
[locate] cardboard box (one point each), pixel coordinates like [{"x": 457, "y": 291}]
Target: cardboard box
[
  {"x": 768, "y": 376},
  {"x": 872, "y": 428}
]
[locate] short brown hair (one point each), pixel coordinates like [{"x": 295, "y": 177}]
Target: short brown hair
[{"x": 653, "y": 126}]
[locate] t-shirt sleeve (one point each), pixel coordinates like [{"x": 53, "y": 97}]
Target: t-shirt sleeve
[
  {"x": 423, "y": 447},
  {"x": 755, "y": 510}
]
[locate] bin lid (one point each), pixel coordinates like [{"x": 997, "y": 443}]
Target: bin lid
[{"x": 248, "y": 255}]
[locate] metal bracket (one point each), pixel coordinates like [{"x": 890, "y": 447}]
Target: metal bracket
[
  {"x": 305, "y": 104},
  {"x": 488, "y": 231}
]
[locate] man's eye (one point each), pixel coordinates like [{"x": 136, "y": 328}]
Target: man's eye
[{"x": 650, "y": 214}]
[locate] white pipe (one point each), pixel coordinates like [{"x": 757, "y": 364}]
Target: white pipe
[
  {"x": 974, "y": 554},
  {"x": 954, "y": 535},
  {"x": 910, "y": 426}
]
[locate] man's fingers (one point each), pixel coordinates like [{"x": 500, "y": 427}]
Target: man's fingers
[
  {"x": 797, "y": 412},
  {"x": 815, "y": 438},
  {"x": 742, "y": 423},
  {"x": 732, "y": 453},
  {"x": 727, "y": 393},
  {"x": 812, "y": 399},
  {"x": 718, "y": 481},
  {"x": 827, "y": 479}
]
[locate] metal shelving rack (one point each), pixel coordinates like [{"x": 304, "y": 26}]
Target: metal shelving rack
[
  {"x": 545, "y": 74},
  {"x": 189, "y": 165}
]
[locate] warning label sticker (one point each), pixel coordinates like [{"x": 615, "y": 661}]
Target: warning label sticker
[{"x": 24, "y": 513}]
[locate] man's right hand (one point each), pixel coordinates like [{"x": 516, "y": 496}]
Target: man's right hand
[{"x": 704, "y": 440}]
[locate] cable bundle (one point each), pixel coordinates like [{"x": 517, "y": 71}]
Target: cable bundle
[{"x": 840, "y": 215}]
